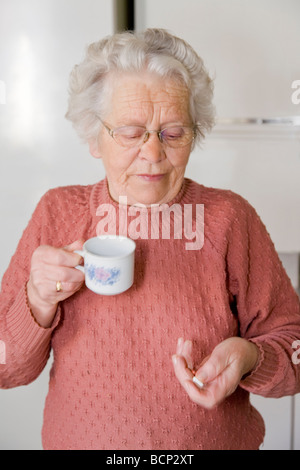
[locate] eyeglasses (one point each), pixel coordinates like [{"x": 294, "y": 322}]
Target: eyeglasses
[{"x": 135, "y": 136}]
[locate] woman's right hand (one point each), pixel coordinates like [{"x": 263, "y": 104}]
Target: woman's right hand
[{"x": 48, "y": 266}]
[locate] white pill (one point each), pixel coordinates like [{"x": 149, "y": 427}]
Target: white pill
[{"x": 198, "y": 382}]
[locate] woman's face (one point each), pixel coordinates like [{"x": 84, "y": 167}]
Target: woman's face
[{"x": 152, "y": 173}]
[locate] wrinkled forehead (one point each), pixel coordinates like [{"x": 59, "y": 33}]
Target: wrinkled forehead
[{"x": 146, "y": 94}]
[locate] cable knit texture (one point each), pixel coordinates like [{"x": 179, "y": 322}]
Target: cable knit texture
[{"x": 112, "y": 384}]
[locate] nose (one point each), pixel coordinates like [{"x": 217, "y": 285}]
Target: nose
[
  {"x": 152, "y": 149},
  {"x": 147, "y": 135}
]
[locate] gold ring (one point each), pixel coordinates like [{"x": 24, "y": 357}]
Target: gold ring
[{"x": 58, "y": 286}]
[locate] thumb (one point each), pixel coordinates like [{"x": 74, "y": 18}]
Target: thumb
[
  {"x": 212, "y": 366},
  {"x": 77, "y": 245}
]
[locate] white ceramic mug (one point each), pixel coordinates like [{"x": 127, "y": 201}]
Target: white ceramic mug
[{"x": 108, "y": 264}]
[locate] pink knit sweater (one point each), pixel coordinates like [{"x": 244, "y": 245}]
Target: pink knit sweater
[{"x": 112, "y": 384}]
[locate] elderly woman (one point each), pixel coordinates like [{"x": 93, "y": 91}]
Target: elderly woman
[{"x": 170, "y": 363}]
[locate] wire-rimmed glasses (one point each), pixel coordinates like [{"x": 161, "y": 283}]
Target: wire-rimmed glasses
[{"x": 135, "y": 136}]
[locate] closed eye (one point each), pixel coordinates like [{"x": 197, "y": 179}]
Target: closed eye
[
  {"x": 173, "y": 133},
  {"x": 130, "y": 132}
]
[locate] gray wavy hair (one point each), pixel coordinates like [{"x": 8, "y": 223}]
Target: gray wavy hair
[{"x": 155, "y": 50}]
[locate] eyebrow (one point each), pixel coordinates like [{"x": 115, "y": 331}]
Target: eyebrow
[{"x": 163, "y": 125}]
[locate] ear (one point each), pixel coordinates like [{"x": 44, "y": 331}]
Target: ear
[{"x": 94, "y": 149}]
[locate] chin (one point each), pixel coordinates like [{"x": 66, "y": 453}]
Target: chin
[{"x": 147, "y": 198}]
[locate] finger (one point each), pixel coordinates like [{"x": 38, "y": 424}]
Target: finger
[
  {"x": 45, "y": 256},
  {"x": 217, "y": 390},
  {"x": 185, "y": 377},
  {"x": 49, "y": 289},
  {"x": 67, "y": 288},
  {"x": 179, "y": 346},
  {"x": 206, "y": 397},
  {"x": 220, "y": 377},
  {"x": 184, "y": 348},
  {"x": 45, "y": 283},
  {"x": 65, "y": 257},
  {"x": 182, "y": 372},
  {"x": 54, "y": 273},
  {"x": 77, "y": 245},
  {"x": 187, "y": 353},
  {"x": 212, "y": 366}
]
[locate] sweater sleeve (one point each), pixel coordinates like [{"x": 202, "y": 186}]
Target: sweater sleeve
[
  {"x": 25, "y": 344},
  {"x": 267, "y": 305}
]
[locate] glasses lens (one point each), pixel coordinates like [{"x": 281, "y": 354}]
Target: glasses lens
[
  {"x": 133, "y": 136},
  {"x": 177, "y": 136},
  {"x": 129, "y": 136}
]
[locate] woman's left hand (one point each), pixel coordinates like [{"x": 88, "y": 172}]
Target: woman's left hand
[{"x": 220, "y": 372}]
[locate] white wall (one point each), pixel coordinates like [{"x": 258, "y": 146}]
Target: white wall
[
  {"x": 40, "y": 42},
  {"x": 252, "y": 50},
  {"x": 251, "y": 47}
]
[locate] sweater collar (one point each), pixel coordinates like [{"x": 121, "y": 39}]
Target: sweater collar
[{"x": 100, "y": 195}]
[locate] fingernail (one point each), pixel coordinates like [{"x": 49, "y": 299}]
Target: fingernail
[{"x": 174, "y": 359}]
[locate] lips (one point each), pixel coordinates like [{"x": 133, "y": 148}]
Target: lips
[{"x": 151, "y": 178}]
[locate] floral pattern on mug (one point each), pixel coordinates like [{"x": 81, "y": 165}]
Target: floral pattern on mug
[{"x": 102, "y": 275}]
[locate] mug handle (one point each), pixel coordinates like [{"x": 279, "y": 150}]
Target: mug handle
[{"x": 81, "y": 253}]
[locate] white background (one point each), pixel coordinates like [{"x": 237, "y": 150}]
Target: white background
[
  {"x": 252, "y": 48},
  {"x": 40, "y": 42}
]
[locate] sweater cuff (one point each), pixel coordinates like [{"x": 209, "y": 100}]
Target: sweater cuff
[
  {"x": 262, "y": 379},
  {"x": 22, "y": 326}
]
